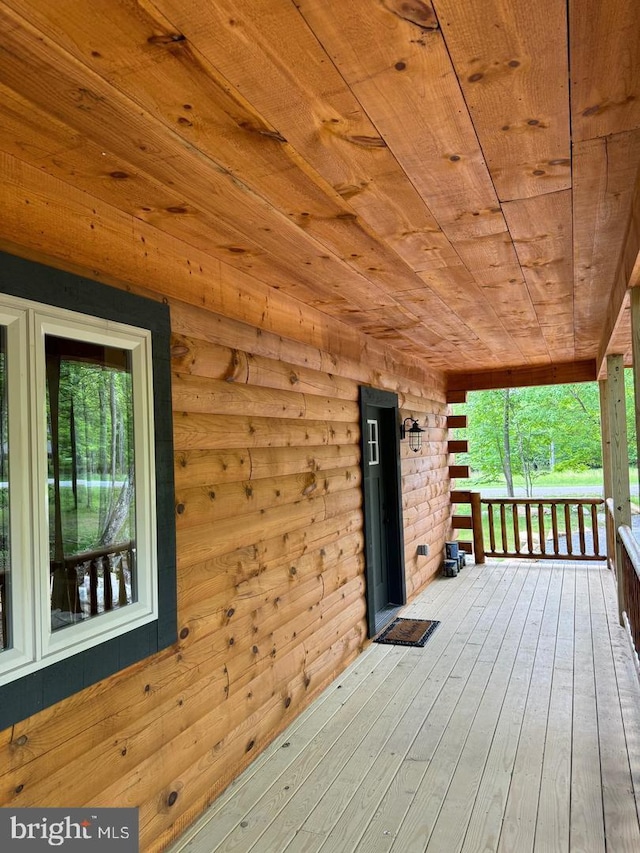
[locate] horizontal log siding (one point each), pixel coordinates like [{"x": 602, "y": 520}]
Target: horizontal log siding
[{"x": 270, "y": 576}]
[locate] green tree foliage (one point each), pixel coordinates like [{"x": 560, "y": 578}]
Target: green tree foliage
[
  {"x": 94, "y": 444},
  {"x": 532, "y": 431}
]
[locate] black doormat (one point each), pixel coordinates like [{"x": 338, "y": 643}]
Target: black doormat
[{"x": 407, "y": 632}]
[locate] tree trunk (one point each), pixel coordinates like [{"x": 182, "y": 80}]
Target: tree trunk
[
  {"x": 119, "y": 512},
  {"x": 102, "y": 455},
  {"x": 64, "y": 594},
  {"x": 506, "y": 445}
]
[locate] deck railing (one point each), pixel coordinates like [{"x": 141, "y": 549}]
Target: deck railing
[
  {"x": 536, "y": 528},
  {"x": 629, "y": 578},
  {"x": 98, "y": 565}
]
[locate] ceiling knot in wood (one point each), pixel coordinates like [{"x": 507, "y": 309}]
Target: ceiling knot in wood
[{"x": 416, "y": 12}]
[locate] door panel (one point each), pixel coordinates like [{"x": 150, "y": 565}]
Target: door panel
[
  {"x": 379, "y": 539},
  {"x": 384, "y": 548}
]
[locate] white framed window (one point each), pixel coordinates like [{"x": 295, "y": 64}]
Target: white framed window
[
  {"x": 78, "y": 549},
  {"x": 373, "y": 442}
]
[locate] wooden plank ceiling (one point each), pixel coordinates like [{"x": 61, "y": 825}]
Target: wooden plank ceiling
[{"x": 456, "y": 179}]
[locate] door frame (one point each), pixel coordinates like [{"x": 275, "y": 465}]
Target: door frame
[{"x": 389, "y": 449}]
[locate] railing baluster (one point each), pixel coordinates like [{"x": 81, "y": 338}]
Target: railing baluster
[
  {"x": 594, "y": 528},
  {"x": 516, "y": 528},
  {"x": 122, "y": 584},
  {"x": 527, "y": 510},
  {"x": 583, "y": 545},
  {"x": 567, "y": 527},
  {"x": 543, "y": 547},
  {"x": 554, "y": 527},
  {"x": 106, "y": 582},
  {"x": 503, "y": 528},
  {"x": 93, "y": 587},
  {"x": 492, "y": 530}
]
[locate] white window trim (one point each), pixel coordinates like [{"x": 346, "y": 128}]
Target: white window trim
[
  {"x": 373, "y": 440},
  {"x": 34, "y": 645}
]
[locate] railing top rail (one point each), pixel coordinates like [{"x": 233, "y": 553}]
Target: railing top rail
[
  {"x": 86, "y": 556},
  {"x": 631, "y": 546},
  {"x": 542, "y": 500}
]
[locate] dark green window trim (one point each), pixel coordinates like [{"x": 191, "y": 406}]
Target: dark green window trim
[{"x": 28, "y": 695}]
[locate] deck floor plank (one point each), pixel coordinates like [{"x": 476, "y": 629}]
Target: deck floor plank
[
  {"x": 521, "y": 810},
  {"x": 273, "y": 817},
  {"x": 485, "y": 823},
  {"x": 622, "y": 831},
  {"x": 399, "y": 819},
  {"x": 436, "y": 699},
  {"x": 587, "y": 818},
  {"x": 554, "y": 807},
  {"x": 498, "y": 655},
  {"x": 516, "y": 728},
  {"x": 353, "y": 773}
]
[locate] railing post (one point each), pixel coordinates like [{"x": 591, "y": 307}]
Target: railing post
[
  {"x": 478, "y": 535},
  {"x": 619, "y": 458}
]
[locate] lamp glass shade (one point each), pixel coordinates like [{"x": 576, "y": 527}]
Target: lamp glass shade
[{"x": 415, "y": 437}]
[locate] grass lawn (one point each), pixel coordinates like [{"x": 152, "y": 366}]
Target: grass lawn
[
  {"x": 590, "y": 481},
  {"x": 556, "y": 479}
]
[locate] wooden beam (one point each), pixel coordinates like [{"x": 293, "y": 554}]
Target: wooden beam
[
  {"x": 520, "y": 377},
  {"x": 461, "y": 446},
  {"x": 456, "y": 422},
  {"x": 459, "y": 471},
  {"x": 605, "y": 173},
  {"x": 619, "y": 342},
  {"x": 627, "y": 275}
]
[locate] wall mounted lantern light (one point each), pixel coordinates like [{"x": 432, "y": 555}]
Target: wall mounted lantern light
[{"x": 414, "y": 432}]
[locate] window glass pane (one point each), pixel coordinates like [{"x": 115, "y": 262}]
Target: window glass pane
[
  {"x": 5, "y": 564},
  {"x": 373, "y": 442},
  {"x": 91, "y": 479}
]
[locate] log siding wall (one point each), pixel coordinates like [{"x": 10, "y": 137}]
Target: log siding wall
[
  {"x": 268, "y": 515},
  {"x": 270, "y": 579}
]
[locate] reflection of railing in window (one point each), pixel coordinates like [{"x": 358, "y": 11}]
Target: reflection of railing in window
[{"x": 101, "y": 563}]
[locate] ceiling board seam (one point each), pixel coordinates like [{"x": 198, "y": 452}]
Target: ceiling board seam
[
  {"x": 371, "y": 120},
  {"x": 452, "y": 243},
  {"x": 316, "y": 243},
  {"x": 525, "y": 283},
  {"x": 104, "y": 275},
  {"x": 462, "y": 93}
]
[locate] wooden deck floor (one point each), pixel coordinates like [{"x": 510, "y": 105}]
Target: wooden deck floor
[{"x": 516, "y": 728}]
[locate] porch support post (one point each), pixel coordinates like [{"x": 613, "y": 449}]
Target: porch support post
[
  {"x": 605, "y": 436},
  {"x": 619, "y": 460}
]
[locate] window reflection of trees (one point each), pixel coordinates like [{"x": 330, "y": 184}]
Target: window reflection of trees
[{"x": 91, "y": 479}]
